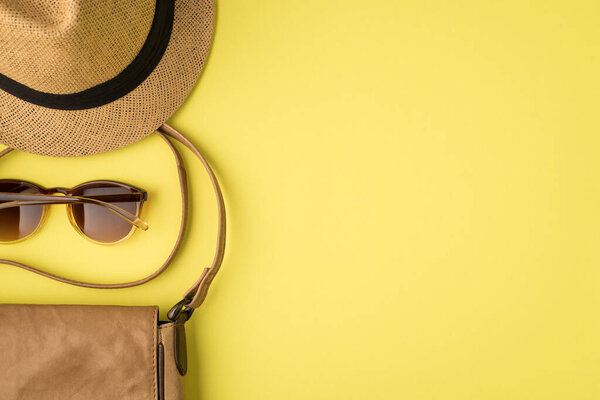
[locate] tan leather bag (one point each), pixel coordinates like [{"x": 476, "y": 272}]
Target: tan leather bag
[{"x": 72, "y": 352}]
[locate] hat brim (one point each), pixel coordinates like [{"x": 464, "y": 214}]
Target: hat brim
[{"x": 73, "y": 133}]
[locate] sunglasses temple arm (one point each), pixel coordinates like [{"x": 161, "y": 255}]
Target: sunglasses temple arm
[{"x": 126, "y": 215}]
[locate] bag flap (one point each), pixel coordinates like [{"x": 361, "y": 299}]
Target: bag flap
[{"x": 64, "y": 352}]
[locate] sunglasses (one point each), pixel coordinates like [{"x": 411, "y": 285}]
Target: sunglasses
[{"x": 103, "y": 212}]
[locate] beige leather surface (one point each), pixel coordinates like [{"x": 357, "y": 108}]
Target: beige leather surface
[
  {"x": 173, "y": 381},
  {"x": 78, "y": 352}
]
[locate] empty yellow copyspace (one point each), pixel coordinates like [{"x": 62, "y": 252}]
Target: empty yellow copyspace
[{"x": 413, "y": 193}]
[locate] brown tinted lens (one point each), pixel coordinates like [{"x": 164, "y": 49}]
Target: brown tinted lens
[
  {"x": 19, "y": 222},
  {"x": 99, "y": 223}
]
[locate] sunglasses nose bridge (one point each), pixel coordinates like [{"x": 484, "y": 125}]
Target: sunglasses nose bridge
[{"x": 59, "y": 190}]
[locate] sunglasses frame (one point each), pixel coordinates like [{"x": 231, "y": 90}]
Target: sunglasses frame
[{"x": 72, "y": 192}]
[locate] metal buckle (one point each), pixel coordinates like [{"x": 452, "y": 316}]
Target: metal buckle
[{"x": 180, "y": 312}]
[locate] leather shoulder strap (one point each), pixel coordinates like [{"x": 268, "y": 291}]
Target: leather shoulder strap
[{"x": 195, "y": 296}]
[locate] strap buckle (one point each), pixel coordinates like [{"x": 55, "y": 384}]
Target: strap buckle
[{"x": 180, "y": 312}]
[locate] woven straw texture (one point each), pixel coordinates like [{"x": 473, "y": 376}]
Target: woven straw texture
[{"x": 65, "y": 46}]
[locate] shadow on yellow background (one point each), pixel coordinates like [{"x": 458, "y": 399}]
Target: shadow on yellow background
[{"x": 413, "y": 199}]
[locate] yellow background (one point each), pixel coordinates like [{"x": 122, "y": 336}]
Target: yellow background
[{"x": 413, "y": 191}]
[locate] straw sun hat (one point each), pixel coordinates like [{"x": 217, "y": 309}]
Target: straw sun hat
[{"x": 81, "y": 77}]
